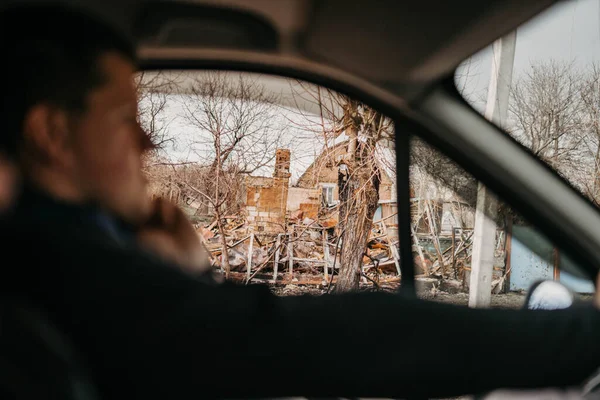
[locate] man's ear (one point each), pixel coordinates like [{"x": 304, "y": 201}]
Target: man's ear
[{"x": 46, "y": 135}]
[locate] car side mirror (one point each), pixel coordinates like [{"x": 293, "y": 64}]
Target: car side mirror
[{"x": 548, "y": 295}]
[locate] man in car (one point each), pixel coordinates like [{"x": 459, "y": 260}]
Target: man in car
[{"x": 99, "y": 256}]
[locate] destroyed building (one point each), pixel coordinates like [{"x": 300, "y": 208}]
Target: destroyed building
[
  {"x": 322, "y": 175},
  {"x": 267, "y": 197}
]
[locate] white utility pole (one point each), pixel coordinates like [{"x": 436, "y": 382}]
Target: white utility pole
[{"x": 484, "y": 235}]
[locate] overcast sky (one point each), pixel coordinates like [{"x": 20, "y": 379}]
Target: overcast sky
[{"x": 568, "y": 31}]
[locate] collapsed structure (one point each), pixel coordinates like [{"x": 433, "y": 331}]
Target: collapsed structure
[{"x": 289, "y": 233}]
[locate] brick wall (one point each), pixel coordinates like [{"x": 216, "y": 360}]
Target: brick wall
[{"x": 266, "y": 198}]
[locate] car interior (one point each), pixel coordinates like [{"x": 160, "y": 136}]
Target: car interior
[{"x": 398, "y": 57}]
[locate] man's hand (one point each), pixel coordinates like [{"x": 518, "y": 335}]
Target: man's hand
[{"x": 170, "y": 235}]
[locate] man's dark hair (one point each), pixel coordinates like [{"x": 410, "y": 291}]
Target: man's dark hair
[{"x": 50, "y": 55}]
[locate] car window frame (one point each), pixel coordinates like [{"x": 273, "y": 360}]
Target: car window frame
[{"x": 414, "y": 119}]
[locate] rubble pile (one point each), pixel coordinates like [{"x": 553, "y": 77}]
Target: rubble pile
[
  {"x": 305, "y": 252},
  {"x": 305, "y": 247}
]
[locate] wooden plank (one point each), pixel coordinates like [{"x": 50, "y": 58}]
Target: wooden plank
[
  {"x": 381, "y": 264},
  {"x": 249, "y": 262},
  {"x": 212, "y": 225},
  {"x": 307, "y": 227},
  {"x": 291, "y": 252},
  {"x": 386, "y": 218},
  {"x": 264, "y": 264},
  {"x": 309, "y": 260},
  {"x": 419, "y": 250},
  {"x": 276, "y": 264},
  {"x": 239, "y": 242},
  {"x": 454, "y": 251},
  {"x": 393, "y": 248},
  {"x": 433, "y": 231},
  {"x": 326, "y": 255}
]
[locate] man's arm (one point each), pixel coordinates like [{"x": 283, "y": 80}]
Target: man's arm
[{"x": 151, "y": 330}]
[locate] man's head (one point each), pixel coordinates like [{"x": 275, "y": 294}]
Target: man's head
[{"x": 69, "y": 109}]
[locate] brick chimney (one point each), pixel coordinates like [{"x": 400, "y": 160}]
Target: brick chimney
[{"x": 282, "y": 164}]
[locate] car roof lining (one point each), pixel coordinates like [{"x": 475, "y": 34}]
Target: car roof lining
[{"x": 420, "y": 41}]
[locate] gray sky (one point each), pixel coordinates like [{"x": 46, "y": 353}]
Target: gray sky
[{"x": 568, "y": 31}]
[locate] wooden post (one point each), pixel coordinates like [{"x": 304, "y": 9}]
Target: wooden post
[
  {"x": 326, "y": 253},
  {"x": 249, "y": 262},
  {"x": 482, "y": 260},
  {"x": 434, "y": 236},
  {"x": 276, "y": 263},
  {"x": 419, "y": 250},
  {"x": 291, "y": 253},
  {"x": 453, "y": 251},
  {"x": 393, "y": 248}
]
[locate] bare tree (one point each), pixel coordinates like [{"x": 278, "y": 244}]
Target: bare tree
[
  {"x": 153, "y": 91},
  {"x": 358, "y": 180},
  {"x": 236, "y": 121},
  {"x": 545, "y": 112},
  {"x": 590, "y": 162},
  {"x": 237, "y": 129},
  {"x": 430, "y": 168},
  {"x": 350, "y": 133}
]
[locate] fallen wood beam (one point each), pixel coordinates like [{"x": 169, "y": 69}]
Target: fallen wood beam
[
  {"x": 310, "y": 260},
  {"x": 385, "y": 263},
  {"x": 249, "y": 261},
  {"x": 264, "y": 264},
  {"x": 239, "y": 242},
  {"x": 276, "y": 264},
  {"x": 290, "y": 249},
  {"x": 386, "y": 218},
  {"x": 433, "y": 231},
  {"x": 307, "y": 227},
  {"x": 419, "y": 250},
  {"x": 326, "y": 255},
  {"x": 462, "y": 246},
  {"x": 393, "y": 248},
  {"x": 376, "y": 237}
]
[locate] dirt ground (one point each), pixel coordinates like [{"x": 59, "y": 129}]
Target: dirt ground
[{"x": 509, "y": 300}]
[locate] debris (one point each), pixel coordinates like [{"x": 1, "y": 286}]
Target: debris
[
  {"x": 237, "y": 259},
  {"x": 328, "y": 223},
  {"x": 308, "y": 221},
  {"x": 297, "y": 215},
  {"x": 304, "y": 252},
  {"x": 206, "y": 233}
]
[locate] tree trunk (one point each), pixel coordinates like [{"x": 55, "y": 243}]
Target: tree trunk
[
  {"x": 359, "y": 196},
  {"x": 224, "y": 246}
]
